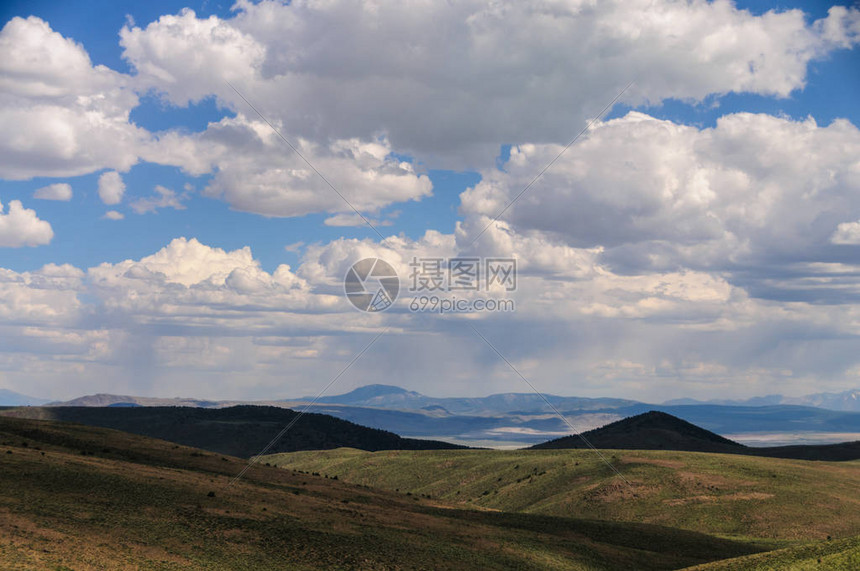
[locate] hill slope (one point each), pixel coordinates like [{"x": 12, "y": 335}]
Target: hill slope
[
  {"x": 239, "y": 431},
  {"x": 836, "y": 555},
  {"x": 660, "y": 431},
  {"x": 80, "y": 497},
  {"x": 648, "y": 431},
  {"x": 725, "y": 494}
]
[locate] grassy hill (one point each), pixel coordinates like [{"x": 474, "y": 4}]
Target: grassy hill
[
  {"x": 730, "y": 495},
  {"x": 835, "y": 555},
  {"x": 80, "y": 497},
  {"x": 648, "y": 431},
  {"x": 239, "y": 430},
  {"x": 656, "y": 430}
]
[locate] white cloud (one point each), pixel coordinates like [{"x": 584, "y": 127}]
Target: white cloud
[
  {"x": 482, "y": 74},
  {"x": 190, "y": 72},
  {"x": 59, "y": 191},
  {"x": 59, "y": 114},
  {"x": 841, "y": 28},
  {"x": 163, "y": 198},
  {"x": 111, "y": 187},
  {"x": 184, "y": 262},
  {"x": 45, "y": 297},
  {"x": 255, "y": 171},
  {"x": 22, "y": 227},
  {"x": 191, "y": 311},
  {"x": 847, "y": 233},
  {"x": 651, "y": 252},
  {"x": 751, "y": 194},
  {"x": 113, "y": 215}
]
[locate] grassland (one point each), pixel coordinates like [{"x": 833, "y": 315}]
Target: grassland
[
  {"x": 744, "y": 497},
  {"x": 78, "y": 497},
  {"x": 842, "y": 555}
]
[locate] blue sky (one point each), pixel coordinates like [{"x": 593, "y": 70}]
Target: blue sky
[
  {"x": 84, "y": 239},
  {"x": 327, "y": 84}
]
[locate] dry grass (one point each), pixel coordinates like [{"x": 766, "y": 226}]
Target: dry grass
[{"x": 77, "y": 497}]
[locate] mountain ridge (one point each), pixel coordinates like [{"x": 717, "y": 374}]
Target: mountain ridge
[
  {"x": 655, "y": 430},
  {"x": 523, "y": 419},
  {"x": 848, "y": 401},
  {"x": 11, "y": 398},
  {"x": 652, "y": 430},
  {"x": 389, "y": 396},
  {"x": 237, "y": 431}
]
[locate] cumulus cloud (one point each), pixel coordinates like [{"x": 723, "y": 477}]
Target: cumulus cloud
[
  {"x": 187, "y": 282},
  {"x": 111, "y": 187},
  {"x": 847, "y": 233},
  {"x": 190, "y": 309},
  {"x": 255, "y": 171},
  {"x": 229, "y": 55},
  {"x": 113, "y": 215},
  {"x": 483, "y": 74},
  {"x": 163, "y": 198},
  {"x": 21, "y": 226},
  {"x": 59, "y": 114},
  {"x": 61, "y": 191},
  {"x": 752, "y": 193},
  {"x": 651, "y": 252},
  {"x": 45, "y": 297}
]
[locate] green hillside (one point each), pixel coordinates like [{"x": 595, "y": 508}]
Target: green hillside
[
  {"x": 834, "y": 555},
  {"x": 730, "y": 495},
  {"x": 79, "y": 497}
]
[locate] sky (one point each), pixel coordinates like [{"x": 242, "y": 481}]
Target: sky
[{"x": 184, "y": 186}]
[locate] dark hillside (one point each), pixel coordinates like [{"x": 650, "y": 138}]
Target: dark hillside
[
  {"x": 649, "y": 431},
  {"x": 660, "y": 431},
  {"x": 238, "y": 431}
]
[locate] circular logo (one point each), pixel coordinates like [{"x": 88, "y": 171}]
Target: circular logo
[{"x": 371, "y": 284}]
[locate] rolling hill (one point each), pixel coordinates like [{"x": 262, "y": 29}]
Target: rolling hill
[
  {"x": 239, "y": 431},
  {"x": 656, "y": 430},
  {"x": 725, "y": 494},
  {"x": 80, "y": 497},
  {"x": 828, "y": 555},
  {"x": 652, "y": 430}
]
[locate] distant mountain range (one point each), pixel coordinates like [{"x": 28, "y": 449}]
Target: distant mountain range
[
  {"x": 103, "y": 399},
  {"x": 11, "y": 398},
  {"x": 388, "y": 396},
  {"x": 523, "y": 419},
  {"x": 392, "y": 397},
  {"x": 845, "y": 401}
]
